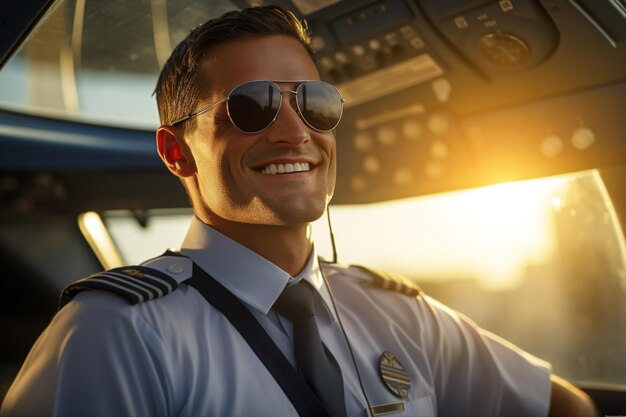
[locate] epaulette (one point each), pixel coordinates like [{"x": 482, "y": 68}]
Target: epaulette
[
  {"x": 391, "y": 281},
  {"x": 136, "y": 284}
]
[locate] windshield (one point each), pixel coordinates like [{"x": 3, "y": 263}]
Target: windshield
[{"x": 98, "y": 62}]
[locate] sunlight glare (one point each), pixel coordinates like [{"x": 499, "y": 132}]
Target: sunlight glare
[{"x": 489, "y": 234}]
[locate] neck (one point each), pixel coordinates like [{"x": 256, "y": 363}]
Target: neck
[{"x": 288, "y": 247}]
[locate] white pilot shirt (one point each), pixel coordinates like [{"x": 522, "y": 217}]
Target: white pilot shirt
[{"x": 178, "y": 356}]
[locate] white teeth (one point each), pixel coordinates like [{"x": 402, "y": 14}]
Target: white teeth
[{"x": 274, "y": 169}]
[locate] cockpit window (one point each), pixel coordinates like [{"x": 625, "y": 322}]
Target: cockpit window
[
  {"x": 541, "y": 263},
  {"x": 98, "y": 61}
]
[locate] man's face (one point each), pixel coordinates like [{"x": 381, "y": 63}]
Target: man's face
[{"x": 230, "y": 164}]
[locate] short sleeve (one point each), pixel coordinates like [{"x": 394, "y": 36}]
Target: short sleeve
[
  {"x": 476, "y": 370},
  {"x": 96, "y": 358}
]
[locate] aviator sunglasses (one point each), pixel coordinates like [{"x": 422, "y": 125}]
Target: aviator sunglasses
[{"x": 254, "y": 105}]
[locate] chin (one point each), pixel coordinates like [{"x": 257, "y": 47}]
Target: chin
[{"x": 297, "y": 217}]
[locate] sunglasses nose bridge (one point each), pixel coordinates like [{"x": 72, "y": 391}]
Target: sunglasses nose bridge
[
  {"x": 292, "y": 102},
  {"x": 295, "y": 95},
  {"x": 289, "y": 118}
]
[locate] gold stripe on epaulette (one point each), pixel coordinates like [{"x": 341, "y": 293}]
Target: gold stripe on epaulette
[
  {"x": 391, "y": 281},
  {"x": 136, "y": 284}
]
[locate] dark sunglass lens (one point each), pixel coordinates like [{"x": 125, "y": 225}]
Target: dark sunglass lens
[
  {"x": 252, "y": 106},
  {"x": 320, "y": 104}
]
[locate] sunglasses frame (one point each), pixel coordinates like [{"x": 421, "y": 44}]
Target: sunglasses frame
[{"x": 275, "y": 83}]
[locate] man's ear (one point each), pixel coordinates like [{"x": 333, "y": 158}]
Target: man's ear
[{"x": 174, "y": 152}]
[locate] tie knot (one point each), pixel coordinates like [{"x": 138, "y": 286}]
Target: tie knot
[{"x": 296, "y": 302}]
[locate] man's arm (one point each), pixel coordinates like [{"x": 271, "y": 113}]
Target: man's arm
[
  {"x": 567, "y": 400},
  {"x": 96, "y": 358}
]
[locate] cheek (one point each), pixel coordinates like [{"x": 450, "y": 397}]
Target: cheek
[
  {"x": 330, "y": 148},
  {"x": 224, "y": 164},
  {"x": 325, "y": 142},
  {"x": 208, "y": 160},
  {"x": 332, "y": 177}
]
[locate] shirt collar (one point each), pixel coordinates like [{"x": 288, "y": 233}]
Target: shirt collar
[
  {"x": 249, "y": 276},
  {"x": 312, "y": 273}
]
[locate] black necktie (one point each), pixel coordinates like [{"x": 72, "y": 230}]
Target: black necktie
[{"x": 316, "y": 363}]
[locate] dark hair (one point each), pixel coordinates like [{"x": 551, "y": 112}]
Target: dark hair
[{"x": 181, "y": 83}]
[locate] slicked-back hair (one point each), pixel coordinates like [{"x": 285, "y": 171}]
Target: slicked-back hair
[{"x": 182, "y": 84}]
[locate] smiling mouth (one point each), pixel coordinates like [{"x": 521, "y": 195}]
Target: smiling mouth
[{"x": 274, "y": 169}]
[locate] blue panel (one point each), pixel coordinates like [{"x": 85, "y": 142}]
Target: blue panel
[{"x": 31, "y": 143}]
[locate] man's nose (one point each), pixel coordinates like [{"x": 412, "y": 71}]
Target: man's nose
[{"x": 289, "y": 126}]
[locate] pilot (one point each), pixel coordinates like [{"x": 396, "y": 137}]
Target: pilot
[{"x": 245, "y": 320}]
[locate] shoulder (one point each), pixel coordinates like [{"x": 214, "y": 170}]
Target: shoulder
[
  {"x": 372, "y": 278},
  {"x": 136, "y": 284},
  {"x": 390, "y": 296}
]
